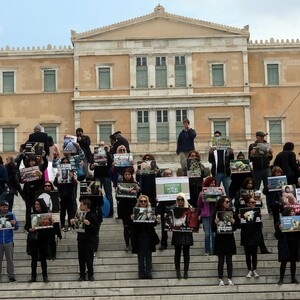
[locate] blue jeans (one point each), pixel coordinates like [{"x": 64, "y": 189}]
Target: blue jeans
[
  {"x": 226, "y": 180},
  {"x": 209, "y": 240}
]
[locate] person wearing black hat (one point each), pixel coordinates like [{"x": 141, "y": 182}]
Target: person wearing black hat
[
  {"x": 7, "y": 220},
  {"x": 260, "y": 154},
  {"x": 117, "y": 140}
]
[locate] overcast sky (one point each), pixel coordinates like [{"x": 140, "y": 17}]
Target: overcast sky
[{"x": 42, "y": 22}]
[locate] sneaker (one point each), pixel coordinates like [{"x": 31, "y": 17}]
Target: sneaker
[
  {"x": 249, "y": 274},
  {"x": 91, "y": 278},
  {"x": 294, "y": 280},
  {"x": 221, "y": 282},
  {"x": 255, "y": 275},
  {"x": 63, "y": 229},
  {"x": 12, "y": 279},
  {"x": 230, "y": 282},
  {"x": 280, "y": 282},
  {"x": 81, "y": 278},
  {"x": 206, "y": 254},
  {"x": 127, "y": 249}
]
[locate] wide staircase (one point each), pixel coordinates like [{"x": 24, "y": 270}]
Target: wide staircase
[{"x": 116, "y": 275}]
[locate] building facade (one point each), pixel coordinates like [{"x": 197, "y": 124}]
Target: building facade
[{"x": 144, "y": 76}]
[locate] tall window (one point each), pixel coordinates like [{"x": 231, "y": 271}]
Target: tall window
[
  {"x": 275, "y": 131},
  {"x": 181, "y": 114},
  {"x": 180, "y": 71},
  {"x": 8, "y": 139},
  {"x": 104, "y": 78},
  {"x": 105, "y": 130},
  {"x": 162, "y": 125},
  {"x": 161, "y": 72},
  {"x": 141, "y": 72},
  {"x": 272, "y": 74},
  {"x": 49, "y": 80},
  {"x": 220, "y": 126},
  {"x": 8, "y": 82},
  {"x": 143, "y": 132},
  {"x": 51, "y": 131},
  {"x": 217, "y": 75}
]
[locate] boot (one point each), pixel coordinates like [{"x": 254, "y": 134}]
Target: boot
[
  {"x": 186, "y": 274},
  {"x": 178, "y": 274}
]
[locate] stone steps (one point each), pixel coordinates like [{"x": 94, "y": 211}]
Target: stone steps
[{"x": 116, "y": 272}]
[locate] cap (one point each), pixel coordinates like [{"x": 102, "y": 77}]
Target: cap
[
  {"x": 3, "y": 202},
  {"x": 260, "y": 133}
]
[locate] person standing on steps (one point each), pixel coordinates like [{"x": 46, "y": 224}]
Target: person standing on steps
[{"x": 185, "y": 144}]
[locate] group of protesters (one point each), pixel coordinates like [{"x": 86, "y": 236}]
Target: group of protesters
[{"x": 141, "y": 238}]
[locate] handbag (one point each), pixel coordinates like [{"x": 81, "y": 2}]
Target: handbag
[{"x": 32, "y": 242}]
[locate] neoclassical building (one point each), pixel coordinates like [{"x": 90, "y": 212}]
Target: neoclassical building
[{"x": 144, "y": 76}]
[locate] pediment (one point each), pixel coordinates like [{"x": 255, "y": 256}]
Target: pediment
[{"x": 159, "y": 25}]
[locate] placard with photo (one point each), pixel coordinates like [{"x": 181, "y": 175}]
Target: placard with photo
[
  {"x": 275, "y": 183},
  {"x": 123, "y": 160},
  {"x": 5, "y": 222},
  {"x": 51, "y": 199},
  {"x": 69, "y": 144},
  {"x": 221, "y": 142},
  {"x": 224, "y": 226},
  {"x": 290, "y": 223},
  {"x": 193, "y": 167},
  {"x": 250, "y": 215},
  {"x": 144, "y": 215},
  {"x": 42, "y": 221},
  {"x": 90, "y": 188},
  {"x": 240, "y": 166},
  {"x": 64, "y": 173},
  {"x": 261, "y": 149},
  {"x": 34, "y": 149},
  {"x": 212, "y": 194},
  {"x": 288, "y": 196},
  {"x": 100, "y": 157},
  {"x": 146, "y": 167},
  {"x": 126, "y": 190},
  {"x": 167, "y": 188},
  {"x": 30, "y": 174},
  {"x": 79, "y": 221},
  {"x": 182, "y": 219}
]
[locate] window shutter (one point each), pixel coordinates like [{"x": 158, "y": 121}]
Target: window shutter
[
  {"x": 161, "y": 76},
  {"x": 8, "y": 139},
  {"x": 8, "y": 82},
  {"x": 180, "y": 76},
  {"x": 49, "y": 81},
  {"x": 141, "y": 77},
  {"x": 104, "y": 78},
  {"x": 273, "y": 76},
  {"x": 217, "y": 75},
  {"x": 275, "y": 132}
]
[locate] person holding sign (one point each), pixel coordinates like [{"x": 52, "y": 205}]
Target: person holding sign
[
  {"x": 7, "y": 239},
  {"x": 185, "y": 143},
  {"x": 220, "y": 162},
  {"x": 207, "y": 209},
  {"x": 126, "y": 204},
  {"x": 182, "y": 241},
  {"x": 288, "y": 247},
  {"x": 144, "y": 240},
  {"x": 251, "y": 233},
  {"x": 40, "y": 249},
  {"x": 224, "y": 242}
]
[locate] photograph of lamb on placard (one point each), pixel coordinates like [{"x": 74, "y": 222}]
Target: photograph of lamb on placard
[
  {"x": 290, "y": 223},
  {"x": 123, "y": 160},
  {"x": 126, "y": 190},
  {"x": 224, "y": 225},
  {"x": 34, "y": 149},
  {"x": 275, "y": 183},
  {"x": 261, "y": 149},
  {"x": 221, "y": 142},
  {"x": 5, "y": 222},
  {"x": 30, "y": 174},
  {"x": 41, "y": 221},
  {"x": 146, "y": 167},
  {"x": 240, "y": 166},
  {"x": 250, "y": 215}
]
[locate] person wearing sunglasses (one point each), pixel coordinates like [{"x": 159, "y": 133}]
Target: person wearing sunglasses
[
  {"x": 144, "y": 241},
  {"x": 225, "y": 246},
  {"x": 251, "y": 233},
  {"x": 182, "y": 241}
]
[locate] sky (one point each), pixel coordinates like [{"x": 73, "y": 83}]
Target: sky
[{"x": 33, "y": 23}]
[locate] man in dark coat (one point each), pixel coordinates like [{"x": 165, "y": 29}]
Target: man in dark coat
[
  {"x": 117, "y": 140},
  {"x": 39, "y": 136},
  {"x": 286, "y": 160}
]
